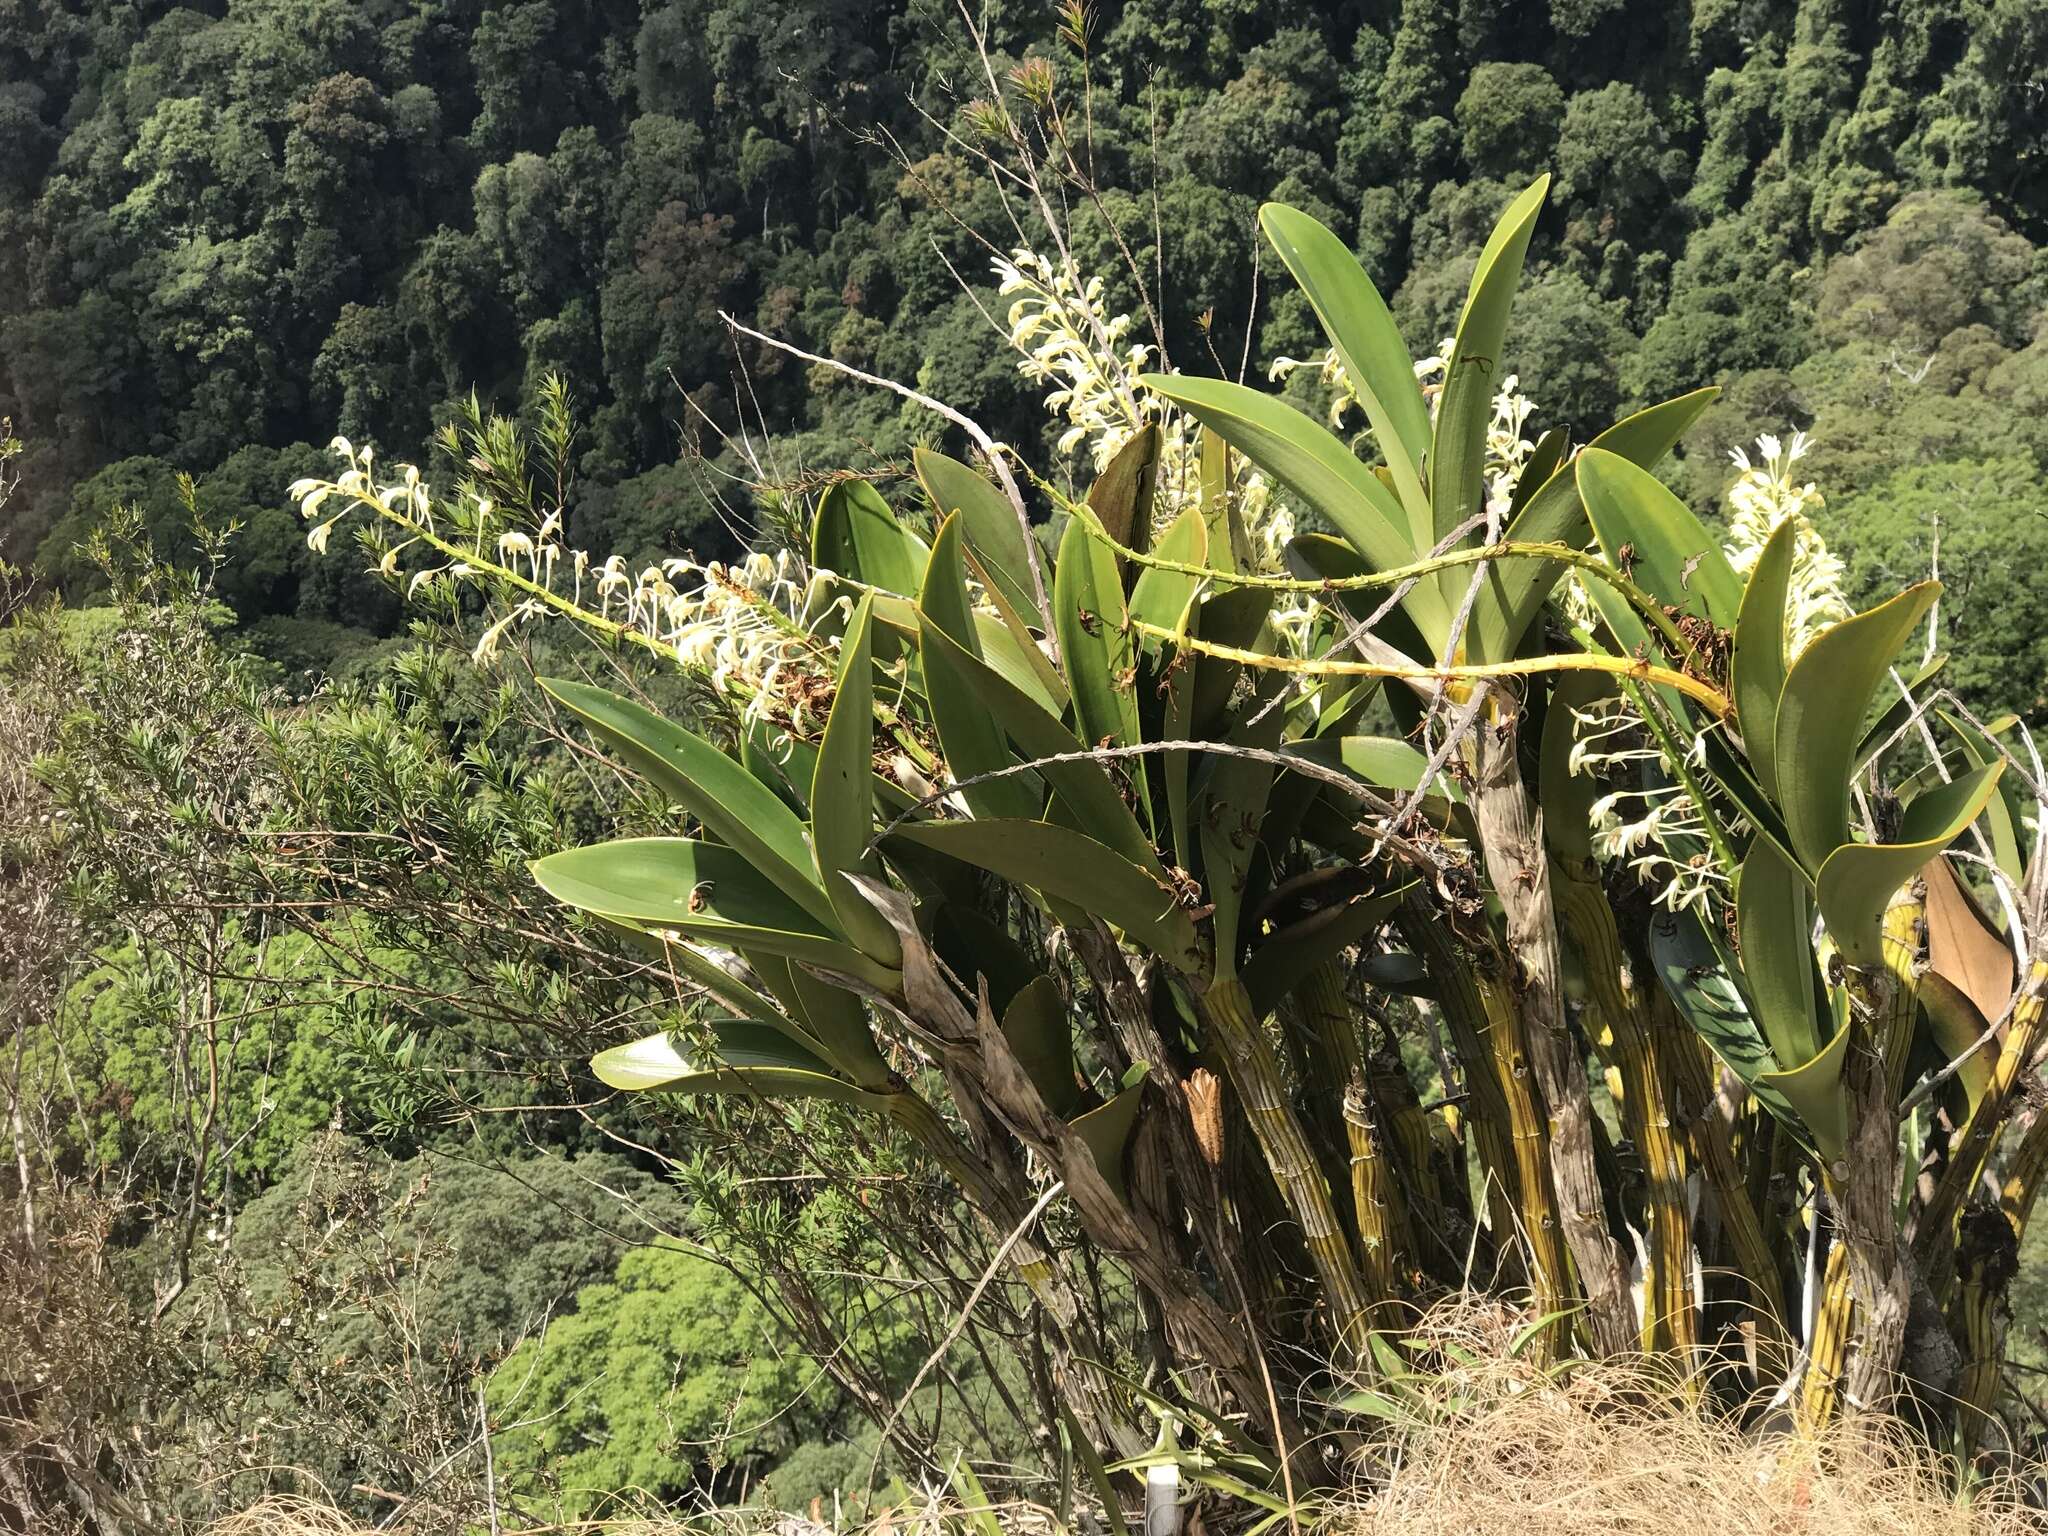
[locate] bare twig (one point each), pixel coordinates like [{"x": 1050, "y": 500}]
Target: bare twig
[{"x": 982, "y": 440}]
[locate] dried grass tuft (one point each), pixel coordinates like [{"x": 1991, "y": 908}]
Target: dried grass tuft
[
  {"x": 1491, "y": 1441},
  {"x": 284, "y": 1514}
]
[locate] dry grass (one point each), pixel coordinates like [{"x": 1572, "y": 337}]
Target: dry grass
[
  {"x": 1482, "y": 1440},
  {"x": 1493, "y": 1444}
]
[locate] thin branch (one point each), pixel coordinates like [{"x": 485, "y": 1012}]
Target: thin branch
[{"x": 982, "y": 440}]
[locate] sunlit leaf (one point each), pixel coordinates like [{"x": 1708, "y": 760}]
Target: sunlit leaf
[
  {"x": 734, "y": 806},
  {"x": 1820, "y": 718},
  {"x": 1361, "y": 329},
  {"x": 1070, "y": 865},
  {"x": 1457, "y": 466}
]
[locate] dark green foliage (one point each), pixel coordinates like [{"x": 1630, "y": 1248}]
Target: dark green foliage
[{"x": 257, "y": 223}]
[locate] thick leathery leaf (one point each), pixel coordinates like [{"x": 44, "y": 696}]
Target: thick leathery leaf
[
  {"x": 1774, "y": 924},
  {"x": 1083, "y": 785},
  {"x": 838, "y": 1022},
  {"x": 1888, "y": 726},
  {"x": 2006, "y": 817},
  {"x": 1694, "y": 970},
  {"x": 744, "y": 1057},
  {"x": 1228, "y": 537},
  {"x": 1814, "y": 1090},
  {"x": 1857, "y": 880},
  {"x": 1041, "y": 1038},
  {"x": 1963, "y": 945},
  {"x": 976, "y": 950},
  {"x": 1072, "y": 867},
  {"x": 1121, "y": 497},
  {"x": 972, "y": 740},
  {"x": 1820, "y": 718},
  {"x": 1672, "y": 556},
  {"x": 1229, "y": 820},
  {"x": 1095, "y": 641},
  {"x": 1391, "y": 763},
  {"x": 1730, "y": 773},
  {"x": 987, "y": 519},
  {"x": 1396, "y": 970},
  {"x": 1285, "y": 956},
  {"x": 1757, "y": 658},
  {"x": 857, "y": 535},
  {"x": 671, "y": 950},
  {"x": 1316, "y": 467},
  {"x": 734, "y": 806},
  {"x": 843, "y": 795},
  {"x": 1160, "y": 596},
  {"x": 1235, "y": 617},
  {"x": 706, "y": 890},
  {"x": 1517, "y": 589},
  {"x": 1551, "y": 450},
  {"x": 1106, "y": 1129},
  {"x": 1356, "y": 320},
  {"x": 1457, "y": 461},
  {"x": 1955, "y": 1024},
  {"x": 1010, "y": 650}
]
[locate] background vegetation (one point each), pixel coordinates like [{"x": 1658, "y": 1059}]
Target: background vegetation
[
  {"x": 321, "y": 1151},
  {"x": 227, "y": 229}
]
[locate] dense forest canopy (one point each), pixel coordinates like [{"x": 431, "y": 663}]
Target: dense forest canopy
[{"x": 227, "y": 230}]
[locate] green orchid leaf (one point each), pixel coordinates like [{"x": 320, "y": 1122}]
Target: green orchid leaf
[
  {"x": 1670, "y": 552},
  {"x": 1084, "y": 787},
  {"x": 1159, "y": 597},
  {"x": 744, "y": 1058},
  {"x": 2006, "y": 817},
  {"x": 705, "y": 890},
  {"x": 1229, "y": 540},
  {"x": 733, "y": 805},
  {"x": 693, "y": 965},
  {"x": 1359, "y": 326},
  {"x": 1516, "y": 590},
  {"x": 843, "y": 795},
  {"x": 987, "y": 520},
  {"x": 1228, "y": 827},
  {"x": 1694, "y": 968},
  {"x": 1757, "y": 657},
  {"x": 1316, "y": 467},
  {"x": 1396, "y": 970},
  {"x": 1072, "y": 867},
  {"x": 1820, "y": 719},
  {"x": 1857, "y": 880},
  {"x": 1106, "y": 1129},
  {"x": 832, "y": 1017},
  {"x": 1889, "y": 724},
  {"x": 1551, "y": 450},
  {"x": 1774, "y": 927},
  {"x": 1814, "y": 1090},
  {"x": 969, "y": 734},
  {"x": 977, "y": 950},
  {"x": 1955, "y": 1024},
  {"x": 1457, "y": 464},
  {"x": 857, "y": 535},
  {"x": 1040, "y": 1034},
  {"x": 1095, "y": 643},
  {"x": 1121, "y": 497},
  {"x": 1284, "y": 958}
]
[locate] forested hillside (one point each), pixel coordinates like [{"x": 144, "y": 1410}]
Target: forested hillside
[
  {"x": 1181, "y": 998},
  {"x": 227, "y": 230}
]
